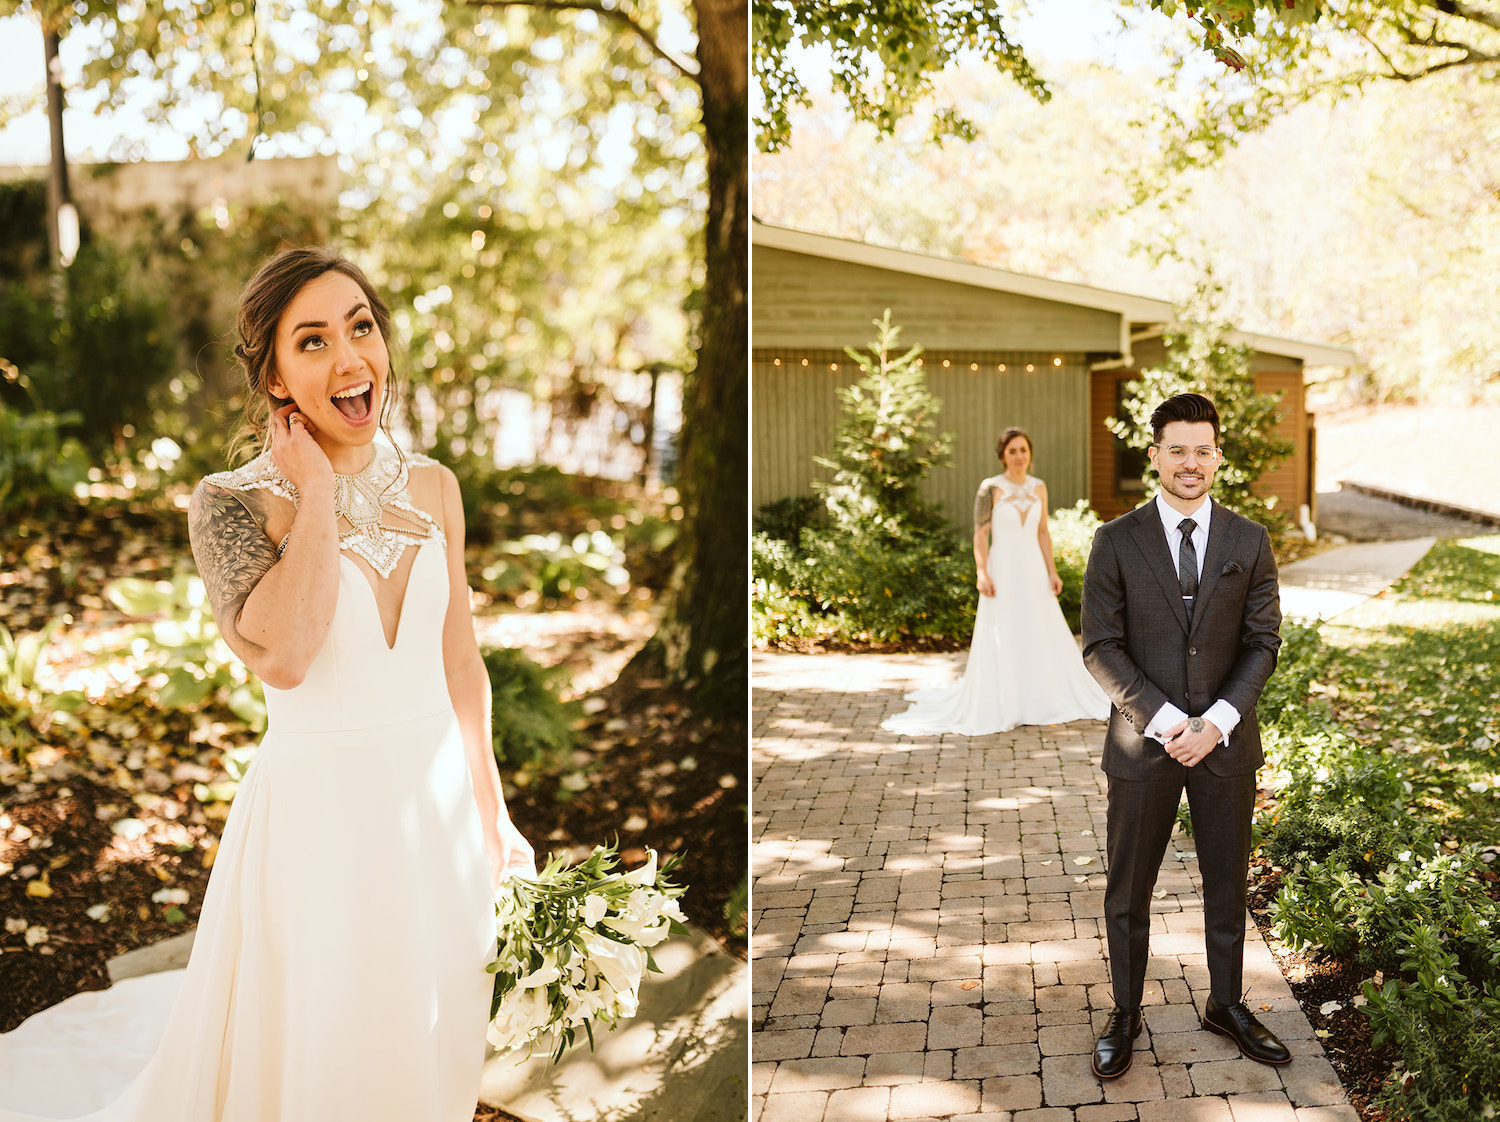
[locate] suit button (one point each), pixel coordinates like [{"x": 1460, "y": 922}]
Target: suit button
[{"x": 1192, "y": 650}]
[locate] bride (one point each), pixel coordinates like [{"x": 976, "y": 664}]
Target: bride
[
  {"x": 1024, "y": 667},
  {"x": 338, "y": 968}
]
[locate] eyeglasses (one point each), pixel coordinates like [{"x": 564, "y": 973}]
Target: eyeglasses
[{"x": 1177, "y": 454}]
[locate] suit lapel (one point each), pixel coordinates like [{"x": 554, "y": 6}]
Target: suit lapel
[
  {"x": 1222, "y": 534},
  {"x": 1152, "y": 542}
]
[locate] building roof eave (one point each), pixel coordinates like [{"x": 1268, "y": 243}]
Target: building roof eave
[{"x": 1129, "y": 306}]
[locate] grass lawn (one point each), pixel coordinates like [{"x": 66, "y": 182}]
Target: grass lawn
[{"x": 1416, "y": 672}]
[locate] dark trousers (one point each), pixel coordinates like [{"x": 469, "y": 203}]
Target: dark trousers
[{"x": 1140, "y": 819}]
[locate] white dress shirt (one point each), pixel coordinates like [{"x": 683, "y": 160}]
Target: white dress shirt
[{"x": 1223, "y": 715}]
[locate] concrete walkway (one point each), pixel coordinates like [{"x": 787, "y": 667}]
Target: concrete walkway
[
  {"x": 928, "y": 938},
  {"x": 1325, "y": 584}
]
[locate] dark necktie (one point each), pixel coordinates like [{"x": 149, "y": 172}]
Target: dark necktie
[{"x": 1187, "y": 564}]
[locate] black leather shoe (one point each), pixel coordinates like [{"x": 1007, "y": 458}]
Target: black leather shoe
[
  {"x": 1115, "y": 1050},
  {"x": 1239, "y": 1024}
]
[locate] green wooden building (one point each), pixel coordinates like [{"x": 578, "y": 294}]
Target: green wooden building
[{"x": 999, "y": 349}]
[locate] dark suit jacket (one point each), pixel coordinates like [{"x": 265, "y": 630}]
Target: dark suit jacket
[{"x": 1144, "y": 651}]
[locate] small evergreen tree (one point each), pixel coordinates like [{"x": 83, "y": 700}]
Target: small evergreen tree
[
  {"x": 885, "y": 444},
  {"x": 1201, "y": 359}
]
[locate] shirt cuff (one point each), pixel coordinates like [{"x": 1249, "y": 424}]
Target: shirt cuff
[
  {"x": 1167, "y": 716},
  {"x": 1225, "y": 717}
]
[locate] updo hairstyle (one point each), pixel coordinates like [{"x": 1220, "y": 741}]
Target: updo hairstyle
[
  {"x": 262, "y": 304},
  {"x": 1006, "y": 437}
]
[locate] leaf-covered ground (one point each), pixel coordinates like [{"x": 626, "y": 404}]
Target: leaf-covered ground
[
  {"x": 1415, "y": 673},
  {"x": 110, "y": 815}
]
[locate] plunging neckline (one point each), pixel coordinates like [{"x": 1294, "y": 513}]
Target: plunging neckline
[
  {"x": 390, "y": 645},
  {"x": 1012, "y": 495}
]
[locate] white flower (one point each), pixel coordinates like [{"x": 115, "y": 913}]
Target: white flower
[
  {"x": 171, "y": 896},
  {"x": 646, "y": 874},
  {"x": 619, "y": 964},
  {"x": 594, "y": 909},
  {"x": 522, "y": 1013},
  {"x": 1412, "y": 886},
  {"x": 1404, "y": 856}
]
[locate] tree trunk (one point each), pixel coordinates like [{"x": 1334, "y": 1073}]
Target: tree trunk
[
  {"x": 704, "y": 638},
  {"x": 57, "y": 179}
]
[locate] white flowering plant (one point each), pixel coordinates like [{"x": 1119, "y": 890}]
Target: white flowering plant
[{"x": 573, "y": 944}]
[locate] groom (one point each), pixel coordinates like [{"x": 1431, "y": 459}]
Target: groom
[{"x": 1180, "y": 627}]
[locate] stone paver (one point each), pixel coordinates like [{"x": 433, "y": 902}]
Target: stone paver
[{"x": 927, "y": 939}]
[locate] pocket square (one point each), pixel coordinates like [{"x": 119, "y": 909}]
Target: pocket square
[{"x": 1232, "y": 567}]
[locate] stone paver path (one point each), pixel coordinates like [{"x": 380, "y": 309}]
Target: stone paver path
[{"x": 928, "y": 940}]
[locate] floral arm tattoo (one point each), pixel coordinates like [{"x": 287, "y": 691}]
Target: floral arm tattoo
[
  {"x": 232, "y": 552},
  {"x": 984, "y": 507}
]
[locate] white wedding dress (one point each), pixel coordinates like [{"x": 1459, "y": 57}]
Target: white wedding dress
[
  {"x": 338, "y": 967},
  {"x": 1024, "y": 666}
]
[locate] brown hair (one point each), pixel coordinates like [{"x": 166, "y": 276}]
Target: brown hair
[
  {"x": 1007, "y": 436},
  {"x": 264, "y": 299},
  {"x": 1193, "y": 408}
]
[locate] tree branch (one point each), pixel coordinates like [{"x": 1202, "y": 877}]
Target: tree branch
[
  {"x": 1469, "y": 12},
  {"x": 681, "y": 65}
]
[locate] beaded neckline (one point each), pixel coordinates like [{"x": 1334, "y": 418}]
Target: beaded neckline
[{"x": 361, "y": 501}]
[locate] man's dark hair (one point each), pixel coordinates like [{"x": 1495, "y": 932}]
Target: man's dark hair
[{"x": 1193, "y": 408}]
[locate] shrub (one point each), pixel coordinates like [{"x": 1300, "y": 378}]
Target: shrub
[
  {"x": 184, "y": 643},
  {"x": 101, "y": 358},
  {"x": 886, "y": 591},
  {"x": 785, "y": 519},
  {"x": 531, "y": 725},
  {"x": 1201, "y": 359},
  {"x": 1302, "y": 657},
  {"x": 38, "y": 465},
  {"x": 1072, "y": 529}
]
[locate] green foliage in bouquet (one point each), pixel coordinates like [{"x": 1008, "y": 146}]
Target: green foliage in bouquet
[
  {"x": 1201, "y": 359},
  {"x": 573, "y": 945},
  {"x": 531, "y": 725}
]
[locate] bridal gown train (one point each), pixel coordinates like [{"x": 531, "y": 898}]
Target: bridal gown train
[
  {"x": 1024, "y": 666},
  {"x": 338, "y": 968}
]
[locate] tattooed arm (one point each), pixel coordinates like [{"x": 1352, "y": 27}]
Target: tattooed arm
[
  {"x": 274, "y": 613},
  {"x": 984, "y": 514}
]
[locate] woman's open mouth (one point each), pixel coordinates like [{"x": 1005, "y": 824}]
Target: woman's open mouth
[{"x": 354, "y": 403}]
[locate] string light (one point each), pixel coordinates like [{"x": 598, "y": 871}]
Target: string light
[
  {"x": 804, "y": 362},
  {"x": 945, "y": 364},
  {"x": 1001, "y": 368},
  {"x": 973, "y": 366},
  {"x": 1030, "y": 368},
  {"x": 833, "y": 366},
  {"x": 776, "y": 362},
  {"x": 1057, "y": 362}
]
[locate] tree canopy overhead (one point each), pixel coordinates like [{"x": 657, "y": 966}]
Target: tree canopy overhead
[{"x": 886, "y": 55}]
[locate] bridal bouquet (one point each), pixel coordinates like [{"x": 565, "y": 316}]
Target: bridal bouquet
[{"x": 574, "y": 944}]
